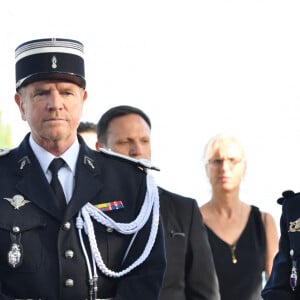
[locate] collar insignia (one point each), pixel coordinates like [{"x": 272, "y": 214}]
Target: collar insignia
[
  {"x": 23, "y": 161},
  {"x": 108, "y": 206},
  {"x": 89, "y": 162},
  {"x": 295, "y": 226},
  {"x": 17, "y": 201}
]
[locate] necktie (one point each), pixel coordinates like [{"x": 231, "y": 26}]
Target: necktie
[{"x": 55, "y": 165}]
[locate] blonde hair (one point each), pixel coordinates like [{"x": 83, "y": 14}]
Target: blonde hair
[{"x": 219, "y": 140}]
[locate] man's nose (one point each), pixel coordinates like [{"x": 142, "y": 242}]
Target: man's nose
[
  {"x": 54, "y": 101},
  {"x": 136, "y": 150}
]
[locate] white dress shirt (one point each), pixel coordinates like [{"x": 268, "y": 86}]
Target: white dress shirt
[{"x": 66, "y": 174}]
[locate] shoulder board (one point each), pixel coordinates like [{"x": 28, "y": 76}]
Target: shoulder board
[
  {"x": 287, "y": 195},
  {"x": 140, "y": 162},
  {"x": 4, "y": 151}
]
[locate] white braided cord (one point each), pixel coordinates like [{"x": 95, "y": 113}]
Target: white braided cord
[
  {"x": 151, "y": 203},
  {"x": 85, "y": 255}
]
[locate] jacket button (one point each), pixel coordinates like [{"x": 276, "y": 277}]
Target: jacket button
[
  {"x": 69, "y": 283},
  {"x": 16, "y": 229},
  {"x": 109, "y": 229},
  {"x": 69, "y": 254},
  {"x": 67, "y": 226}
]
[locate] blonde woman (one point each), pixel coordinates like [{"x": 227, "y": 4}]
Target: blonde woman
[{"x": 243, "y": 239}]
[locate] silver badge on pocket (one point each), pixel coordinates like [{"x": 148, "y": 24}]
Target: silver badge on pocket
[{"x": 15, "y": 255}]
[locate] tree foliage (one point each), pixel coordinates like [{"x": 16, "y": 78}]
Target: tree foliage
[{"x": 5, "y": 134}]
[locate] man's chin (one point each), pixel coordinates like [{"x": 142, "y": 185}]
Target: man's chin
[{"x": 56, "y": 137}]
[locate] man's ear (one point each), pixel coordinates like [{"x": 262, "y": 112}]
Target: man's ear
[
  {"x": 20, "y": 104},
  {"x": 99, "y": 145}
]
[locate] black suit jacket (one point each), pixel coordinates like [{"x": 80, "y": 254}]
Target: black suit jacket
[
  {"x": 190, "y": 273},
  {"x": 46, "y": 271}
]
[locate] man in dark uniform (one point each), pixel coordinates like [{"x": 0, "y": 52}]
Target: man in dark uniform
[
  {"x": 284, "y": 282},
  {"x": 93, "y": 232},
  {"x": 190, "y": 273}
]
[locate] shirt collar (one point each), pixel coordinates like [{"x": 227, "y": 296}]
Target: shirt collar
[{"x": 44, "y": 157}]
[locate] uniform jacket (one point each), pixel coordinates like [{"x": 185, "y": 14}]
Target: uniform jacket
[
  {"x": 53, "y": 266},
  {"x": 190, "y": 273},
  {"x": 278, "y": 286}
]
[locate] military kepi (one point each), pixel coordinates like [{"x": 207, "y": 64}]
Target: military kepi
[{"x": 51, "y": 58}]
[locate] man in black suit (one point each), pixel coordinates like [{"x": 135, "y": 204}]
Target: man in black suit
[
  {"x": 190, "y": 273},
  {"x": 86, "y": 235}
]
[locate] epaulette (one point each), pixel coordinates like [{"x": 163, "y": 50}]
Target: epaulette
[
  {"x": 145, "y": 163},
  {"x": 4, "y": 151},
  {"x": 285, "y": 195}
]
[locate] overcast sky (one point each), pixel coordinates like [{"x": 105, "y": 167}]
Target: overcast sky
[{"x": 195, "y": 67}]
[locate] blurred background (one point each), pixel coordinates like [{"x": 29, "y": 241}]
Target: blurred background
[{"x": 195, "y": 67}]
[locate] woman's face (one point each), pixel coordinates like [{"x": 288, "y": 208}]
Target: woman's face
[{"x": 226, "y": 166}]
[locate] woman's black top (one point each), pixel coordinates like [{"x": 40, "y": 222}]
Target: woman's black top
[{"x": 239, "y": 267}]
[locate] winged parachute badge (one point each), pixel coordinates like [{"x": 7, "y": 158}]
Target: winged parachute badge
[{"x": 17, "y": 201}]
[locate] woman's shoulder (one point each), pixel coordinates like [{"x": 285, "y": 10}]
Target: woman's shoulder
[{"x": 267, "y": 218}]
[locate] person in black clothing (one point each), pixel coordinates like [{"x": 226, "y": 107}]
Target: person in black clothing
[
  {"x": 190, "y": 273},
  {"x": 243, "y": 239},
  {"x": 97, "y": 242},
  {"x": 284, "y": 282}
]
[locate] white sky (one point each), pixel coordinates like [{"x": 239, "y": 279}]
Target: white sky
[{"x": 195, "y": 67}]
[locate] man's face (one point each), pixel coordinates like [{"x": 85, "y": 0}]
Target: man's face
[
  {"x": 129, "y": 135},
  {"x": 52, "y": 110}
]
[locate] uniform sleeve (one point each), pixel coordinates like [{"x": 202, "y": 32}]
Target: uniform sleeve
[{"x": 200, "y": 284}]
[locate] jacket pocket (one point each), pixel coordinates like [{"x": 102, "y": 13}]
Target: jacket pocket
[{"x": 20, "y": 241}]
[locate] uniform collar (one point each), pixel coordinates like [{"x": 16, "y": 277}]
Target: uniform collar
[{"x": 44, "y": 157}]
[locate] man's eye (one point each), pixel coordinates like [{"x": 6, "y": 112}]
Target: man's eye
[
  {"x": 67, "y": 93},
  {"x": 41, "y": 93}
]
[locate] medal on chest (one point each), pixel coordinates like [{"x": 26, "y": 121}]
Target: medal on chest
[{"x": 15, "y": 253}]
